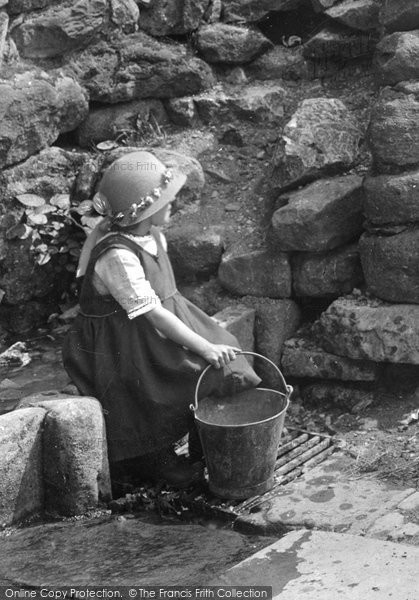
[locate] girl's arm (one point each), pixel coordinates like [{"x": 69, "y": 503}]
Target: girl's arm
[{"x": 218, "y": 355}]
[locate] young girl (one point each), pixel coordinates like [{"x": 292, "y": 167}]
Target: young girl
[{"x": 138, "y": 345}]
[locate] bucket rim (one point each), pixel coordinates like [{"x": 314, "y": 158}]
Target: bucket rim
[{"x": 253, "y": 422}]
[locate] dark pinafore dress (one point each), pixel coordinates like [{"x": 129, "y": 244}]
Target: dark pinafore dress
[{"x": 144, "y": 381}]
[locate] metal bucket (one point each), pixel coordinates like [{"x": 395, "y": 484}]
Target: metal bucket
[{"x": 240, "y": 436}]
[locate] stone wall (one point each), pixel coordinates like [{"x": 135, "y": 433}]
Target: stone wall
[
  {"x": 360, "y": 335},
  {"x": 82, "y": 83}
]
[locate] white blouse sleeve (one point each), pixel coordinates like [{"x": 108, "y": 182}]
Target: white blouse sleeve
[{"x": 121, "y": 273}]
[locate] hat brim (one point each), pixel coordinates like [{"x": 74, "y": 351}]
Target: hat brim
[{"x": 167, "y": 195}]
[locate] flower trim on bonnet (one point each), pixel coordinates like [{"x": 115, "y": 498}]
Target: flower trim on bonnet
[{"x": 101, "y": 204}]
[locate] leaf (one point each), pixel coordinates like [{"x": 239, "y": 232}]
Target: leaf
[
  {"x": 31, "y": 200},
  {"x": 21, "y": 231},
  {"x": 2, "y": 294},
  {"x": 61, "y": 201},
  {"x": 42, "y": 248},
  {"x": 43, "y": 210},
  {"x": 107, "y": 145},
  {"x": 84, "y": 207},
  {"x": 43, "y": 259},
  {"x": 37, "y": 219}
]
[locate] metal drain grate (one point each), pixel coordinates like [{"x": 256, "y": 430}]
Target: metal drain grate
[{"x": 300, "y": 450}]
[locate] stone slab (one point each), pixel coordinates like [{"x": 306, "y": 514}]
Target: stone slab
[
  {"x": 360, "y": 327},
  {"x": 329, "y": 497},
  {"x": 75, "y": 460},
  {"x": 394, "y": 130},
  {"x": 21, "y": 487},
  {"x": 303, "y": 358},
  {"x": 310, "y": 148},
  {"x": 391, "y": 265},
  {"x": 320, "y": 216},
  {"x": 320, "y": 565}
]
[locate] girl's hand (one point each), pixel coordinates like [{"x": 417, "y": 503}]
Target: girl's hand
[{"x": 219, "y": 355}]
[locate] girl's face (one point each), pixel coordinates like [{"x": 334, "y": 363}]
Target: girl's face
[{"x": 162, "y": 217}]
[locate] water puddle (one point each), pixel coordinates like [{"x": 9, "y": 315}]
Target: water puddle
[{"x": 122, "y": 550}]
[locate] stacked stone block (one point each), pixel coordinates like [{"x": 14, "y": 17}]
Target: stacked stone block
[{"x": 389, "y": 249}]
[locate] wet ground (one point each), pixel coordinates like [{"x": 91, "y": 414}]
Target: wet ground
[{"x": 122, "y": 550}]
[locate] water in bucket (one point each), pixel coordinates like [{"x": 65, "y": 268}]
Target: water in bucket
[{"x": 240, "y": 436}]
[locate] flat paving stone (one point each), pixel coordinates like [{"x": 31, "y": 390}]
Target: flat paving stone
[
  {"x": 320, "y": 565},
  {"x": 329, "y": 497}
]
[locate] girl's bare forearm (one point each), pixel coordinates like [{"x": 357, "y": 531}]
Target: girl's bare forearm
[{"x": 174, "y": 329}]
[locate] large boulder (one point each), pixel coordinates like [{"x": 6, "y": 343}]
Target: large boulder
[
  {"x": 363, "y": 328},
  {"x": 279, "y": 63},
  {"x": 35, "y": 108},
  {"x": 75, "y": 458},
  {"x": 21, "y": 485},
  {"x": 394, "y": 129},
  {"x": 131, "y": 119},
  {"x": 321, "y": 216},
  {"x": 172, "y": 18},
  {"x": 397, "y": 57},
  {"x": 392, "y": 199},
  {"x": 60, "y": 29},
  {"x": 302, "y": 357},
  {"x": 139, "y": 66},
  {"x": 391, "y": 265},
  {"x": 256, "y": 102},
  {"x": 327, "y": 274},
  {"x": 400, "y": 15},
  {"x": 256, "y": 273},
  {"x": 254, "y": 10},
  {"x": 222, "y": 43},
  {"x": 51, "y": 171},
  {"x": 195, "y": 251},
  {"x": 357, "y": 14},
  {"x": 310, "y": 146}
]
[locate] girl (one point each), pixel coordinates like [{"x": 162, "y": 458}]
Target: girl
[{"x": 138, "y": 345}]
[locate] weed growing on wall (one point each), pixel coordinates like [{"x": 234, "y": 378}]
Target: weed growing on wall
[{"x": 55, "y": 229}]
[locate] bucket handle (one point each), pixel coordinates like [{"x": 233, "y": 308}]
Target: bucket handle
[{"x": 288, "y": 388}]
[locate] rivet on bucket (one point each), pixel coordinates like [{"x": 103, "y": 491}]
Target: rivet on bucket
[{"x": 240, "y": 436}]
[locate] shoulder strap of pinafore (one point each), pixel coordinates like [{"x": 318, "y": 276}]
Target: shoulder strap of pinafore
[{"x": 92, "y": 303}]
